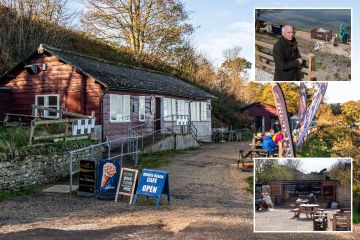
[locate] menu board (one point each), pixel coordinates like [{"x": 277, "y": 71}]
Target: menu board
[{"x": 126, "y": 185}]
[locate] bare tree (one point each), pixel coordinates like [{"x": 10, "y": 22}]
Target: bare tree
[
  {"x": 140, "y": 24},
  {"x": 26, "y": 23}
]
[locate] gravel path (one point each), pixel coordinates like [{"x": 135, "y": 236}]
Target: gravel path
[
  {"x": 284, "y": 220},
  {"x": 261, "y": 75},
  {"x": 209, "y": 201}
]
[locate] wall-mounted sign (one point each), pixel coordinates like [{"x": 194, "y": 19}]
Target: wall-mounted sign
[
  {"x": 153, "y": 183},
  {"x": 83, "y": 126},
  {"x": 127, "y": 183}
]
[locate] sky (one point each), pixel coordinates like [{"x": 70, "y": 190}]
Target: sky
[
  {"x": 315, "y": 164},
  {"x": 224, "y": 24}
]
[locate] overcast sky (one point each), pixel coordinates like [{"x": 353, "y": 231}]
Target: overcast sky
[
  {"x": 315, "y": 164},
  {"x": 228, "y": 23}
]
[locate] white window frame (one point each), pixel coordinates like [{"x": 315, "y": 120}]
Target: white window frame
[
  {"x": 169, "y": 106},
  {"x": 125, "y": 108},
  {"x": 142, "y": 111},
  {"x": 195, "y": 111},
  {"x": 203, "y": 114},
  {"x": 46, "y": 104}
]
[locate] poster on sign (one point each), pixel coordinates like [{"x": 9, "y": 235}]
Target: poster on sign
[
  {"x": 86, "y": 178},
  {"x": 153, "y": 183},
  {"x": 127, "y": 183},
  {"x": 107, "y": 177}
]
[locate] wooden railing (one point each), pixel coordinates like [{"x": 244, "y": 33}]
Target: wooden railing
[
  {"x": 263, "y": 51},
  {"x": 67, "y": 134}
]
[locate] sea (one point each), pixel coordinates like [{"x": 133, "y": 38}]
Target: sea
[{"x": 307, "y": 19}]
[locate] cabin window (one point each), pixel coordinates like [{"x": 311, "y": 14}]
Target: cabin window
[
  {"x": 203, "y": 111},
  {"x": 169, "y": 109},
  {"x": 48, "y": 101},
  {"x": 119, "y": 108},
  {"x": 142, "y": 108},
  {"x": 195, "y": 111},
  {"x": 182, "y": 108}
]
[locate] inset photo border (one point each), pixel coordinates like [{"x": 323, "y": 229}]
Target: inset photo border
[
  {"x": 302, "y": 44},
  {"x": 303, "y": 195}
]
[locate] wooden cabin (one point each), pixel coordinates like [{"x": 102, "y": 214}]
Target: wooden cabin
[
  {"x": 264, "y": 115},
  {"x": 121, "y": 96},
  {"x": 321, "y": 34},
  {"x": 285, "y": 192}
]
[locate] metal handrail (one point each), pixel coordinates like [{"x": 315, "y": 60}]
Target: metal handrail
[
  {"x": 173, "y": 118},
  {"x": 133, "y": 150}
]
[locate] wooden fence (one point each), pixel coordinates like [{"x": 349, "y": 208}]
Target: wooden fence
[
  {"x": 264, "y": 60},
  {"x": 67, "y": 134}
]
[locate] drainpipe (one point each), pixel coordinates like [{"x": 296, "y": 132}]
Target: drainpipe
[{"x": 102, "y": 113}]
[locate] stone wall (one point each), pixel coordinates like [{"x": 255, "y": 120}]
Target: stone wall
[{"x": 31, "y": 170}]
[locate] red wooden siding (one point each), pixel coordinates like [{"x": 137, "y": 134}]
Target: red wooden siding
[
  {"x": 5, "y": 102},
  {"x": 262, "y": 109},
  {"x": 58, "y": 78}
]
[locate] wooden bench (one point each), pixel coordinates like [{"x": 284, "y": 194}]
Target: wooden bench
[{"x": 296, "y": 212}]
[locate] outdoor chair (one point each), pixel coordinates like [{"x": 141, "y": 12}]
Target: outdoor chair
[{"x": 341, "y": 221}]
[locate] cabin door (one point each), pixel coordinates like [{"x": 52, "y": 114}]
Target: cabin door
[{"x": 158, "y": 113}]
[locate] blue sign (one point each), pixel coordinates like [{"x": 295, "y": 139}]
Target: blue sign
[
  {"x": 153, "y": 183},
  {"x": 107, "y": 177}
]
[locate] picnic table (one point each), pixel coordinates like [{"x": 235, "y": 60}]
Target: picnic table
[
  {"x": 247, "y": 161},
  {"x": 308, "y": 209}
]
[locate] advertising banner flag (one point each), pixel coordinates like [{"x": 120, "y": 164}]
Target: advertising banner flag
[
  {"x": 310, "y": 113},
  {"x": 284, "y": 119},
  {"x": 302, "y": 106}
]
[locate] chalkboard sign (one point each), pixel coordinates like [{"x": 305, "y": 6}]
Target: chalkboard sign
[
  {"x": 153, "y": 183},
  {"x": 87, "y": 177},
  {"x": 127, "y": 182}
]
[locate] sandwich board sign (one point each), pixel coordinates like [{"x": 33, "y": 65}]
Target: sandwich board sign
[
  {"x": 153, "y": 183},
  {"x": 127, "y": 183},
  {"x": 107, "y": 176},
  {"x": 87, "y": 178}
]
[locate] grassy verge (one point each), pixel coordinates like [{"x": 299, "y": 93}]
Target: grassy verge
[
  {"x": 356, "y": 217},
  {"x": 26, "y": 191},
  {"x": 158, "y": 159},
  {"x": 250, "y": 181}
]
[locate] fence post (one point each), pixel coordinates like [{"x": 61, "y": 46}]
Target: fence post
[
  {"x": 109, "y": 149},
  {"x": 32, "y": 130},
  {"x": 258, "y": 57},
  {"x": 122, "y": 152},
  {"x": 71, "y": 170},
  {"x": 136, "y": 152},
  {"x": 142, "y": 137},
  {"x": 312, "y": 68}
]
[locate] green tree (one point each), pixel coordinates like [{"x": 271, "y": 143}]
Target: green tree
[
  {"x": 143, "y": 25},
  {"x": 351, "y": 110}
]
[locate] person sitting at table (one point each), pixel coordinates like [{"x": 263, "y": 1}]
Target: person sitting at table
[
  {"x": 279, "y": 137},
  {"x": 268, "y": 201},
  {"x": 258, "y": 140},
  {"x": 269, "y": 144},
  {"x": 312, "y": 199}
]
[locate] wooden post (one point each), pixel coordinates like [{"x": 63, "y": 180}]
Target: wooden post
[
  {"x": 312, "y": 68},
  {"x": 32, "y": 130},
  {"x": 280, "y": 149},
  {"x": 258, "y": 58}
]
